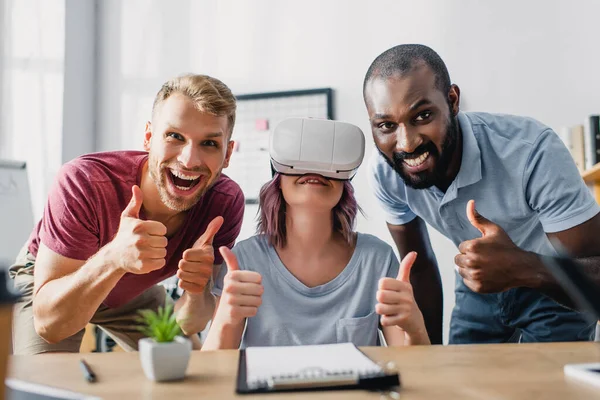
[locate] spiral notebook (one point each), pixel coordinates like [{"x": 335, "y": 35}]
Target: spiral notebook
[{"x": 316, "y": 367}]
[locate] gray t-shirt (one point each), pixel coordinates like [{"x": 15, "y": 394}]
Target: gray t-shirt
[{"x": 341, "y": 310}]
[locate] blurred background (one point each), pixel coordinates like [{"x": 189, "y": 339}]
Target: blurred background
[{"x": 79, "y": 76}]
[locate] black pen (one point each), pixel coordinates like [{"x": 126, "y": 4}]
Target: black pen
[{"x": 89, "y": 375}]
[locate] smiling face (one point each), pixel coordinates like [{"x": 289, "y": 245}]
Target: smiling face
[
  {"x": 312, "y": 190},
  {"x": 187, "y": 151},
  {"x": 414, "y": 125}
]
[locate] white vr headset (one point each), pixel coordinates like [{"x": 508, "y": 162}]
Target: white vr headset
[{"x": 301, "y": 146}]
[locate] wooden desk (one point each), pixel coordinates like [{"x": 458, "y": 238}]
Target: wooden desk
[{"x": 515, "y": 371}]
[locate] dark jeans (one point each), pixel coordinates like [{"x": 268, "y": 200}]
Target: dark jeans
[{"x": 517, "y": 315}]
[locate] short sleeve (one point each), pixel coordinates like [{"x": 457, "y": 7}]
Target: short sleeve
[
  {"x": 69, "y": 224},
  {"x": 383, "y": 179},
  {"x": 233, "y": 216},
  {"x": 554, "y": 188}
]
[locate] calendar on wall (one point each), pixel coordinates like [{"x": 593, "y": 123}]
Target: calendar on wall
[{"x": 257, "y": 115}]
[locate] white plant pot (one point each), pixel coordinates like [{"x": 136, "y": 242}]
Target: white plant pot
[{"x": 165, "y": 361}]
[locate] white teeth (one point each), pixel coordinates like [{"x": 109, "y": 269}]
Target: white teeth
[
  {"x": 183, "y": 187},
  {"x": 415, "y": 162},
  {"x": 312, "y": 181},
  {"x": 180, "y": 175}
]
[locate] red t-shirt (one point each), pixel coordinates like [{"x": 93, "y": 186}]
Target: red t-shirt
[{"x": 84, "y": 210}]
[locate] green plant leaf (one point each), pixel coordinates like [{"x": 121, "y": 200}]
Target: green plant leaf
[
  {"x": 160, "y": 325},
  {"x": 175, "y": 330}
]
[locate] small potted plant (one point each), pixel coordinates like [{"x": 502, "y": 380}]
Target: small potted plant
[{"x": 164, "y": 353}]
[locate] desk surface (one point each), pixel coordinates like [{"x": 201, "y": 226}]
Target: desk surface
[{"x": 515, "y": 371}]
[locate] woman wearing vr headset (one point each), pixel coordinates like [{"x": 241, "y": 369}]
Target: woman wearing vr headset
[{"x": 307, "y": 277}]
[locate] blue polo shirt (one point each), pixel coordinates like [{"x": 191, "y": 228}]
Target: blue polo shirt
[{"x": 517, "y": 170}]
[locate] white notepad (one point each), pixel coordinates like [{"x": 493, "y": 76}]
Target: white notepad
[
  {"x": 588, "y": 373},
  {"x": 267, "y": 363}
]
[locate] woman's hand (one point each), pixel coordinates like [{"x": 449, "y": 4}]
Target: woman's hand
[
  {"x": 242, "y": 292},
  {"x": 397, "y": 306}
]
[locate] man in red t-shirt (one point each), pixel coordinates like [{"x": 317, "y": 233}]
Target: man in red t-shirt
[{"x": 118, "y": 223}]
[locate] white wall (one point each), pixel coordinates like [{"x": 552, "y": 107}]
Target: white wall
[
  {"x": 47, "y": 60},
  {"x": 537, "y": 58},
  {"x": 32, "y": 36}
]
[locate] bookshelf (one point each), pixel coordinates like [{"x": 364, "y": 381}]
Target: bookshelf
[{"x": 592, "y": 177}]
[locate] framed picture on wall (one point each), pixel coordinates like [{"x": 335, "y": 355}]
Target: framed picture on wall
[{"x": 257, "y": 115}]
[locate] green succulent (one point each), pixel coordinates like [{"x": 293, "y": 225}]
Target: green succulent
[{"x": 159, "y": 325}]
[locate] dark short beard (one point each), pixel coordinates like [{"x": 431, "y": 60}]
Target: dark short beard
[{"x": 426, "y": 179}]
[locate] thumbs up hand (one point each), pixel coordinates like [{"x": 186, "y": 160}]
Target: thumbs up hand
[
  {"x": 196, "y": 264},
  {"x": 135, "y": 204},
  {"x": 492, "y": 263},
  {"x": 139, "y": 246},
  {"x": 396, "y": 303},
  {"x": 242, "y": 292}
]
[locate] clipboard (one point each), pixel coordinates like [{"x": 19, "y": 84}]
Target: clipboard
[{"x": 312, "y": 381}]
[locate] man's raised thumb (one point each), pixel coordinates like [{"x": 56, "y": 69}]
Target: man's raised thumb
[
  {"x": 230, "y": 259},
  {"x": 405, "y": 267},
  {"x": 211, "y": 230},
  {"x": 135, "y": 204},
  {"x": 477, "y": 220}
]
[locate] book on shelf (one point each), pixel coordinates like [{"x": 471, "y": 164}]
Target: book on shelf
[
  {"x": 583, "y": 142},
  {"x": 577, "y": 141},
  {"x": 594, "y": 141}
]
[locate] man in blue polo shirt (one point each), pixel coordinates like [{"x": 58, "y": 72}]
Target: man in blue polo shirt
[{"x": 499, "y": 186}]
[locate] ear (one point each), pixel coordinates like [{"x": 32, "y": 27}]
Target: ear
[
  {"x": 454, "y": 99},
  {"x": 230, "y": 146},
  {"x": 147, "y": 136}
]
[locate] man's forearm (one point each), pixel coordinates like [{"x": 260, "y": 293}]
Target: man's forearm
[
  {"x": 194, "y": 311},
  {"x": 427, "y": 288},
  {"x": 538, "y": 277},
  {"x": 62, "y": 307}
]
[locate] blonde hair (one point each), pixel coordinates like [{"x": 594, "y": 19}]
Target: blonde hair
[{"x": 209, "y": 94}]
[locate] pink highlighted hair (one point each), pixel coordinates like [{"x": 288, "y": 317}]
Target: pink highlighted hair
[{"x": 271, "y": 213}]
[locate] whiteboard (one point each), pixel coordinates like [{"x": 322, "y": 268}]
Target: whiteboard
[
  {"x": 257, "y": 115},
  {"x": 16, "y": 214}
]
